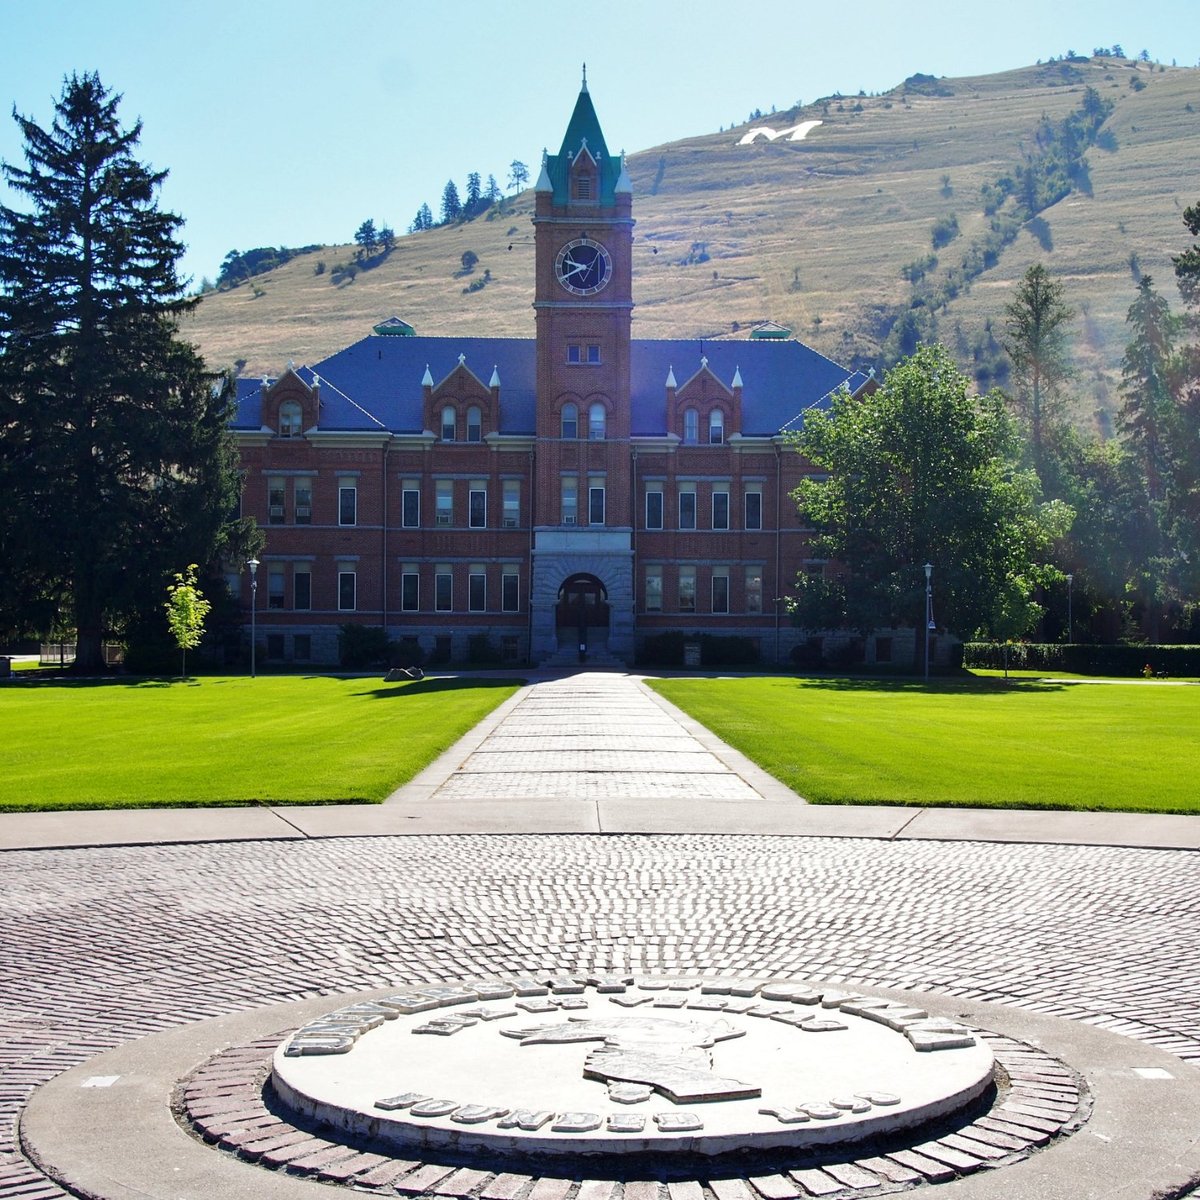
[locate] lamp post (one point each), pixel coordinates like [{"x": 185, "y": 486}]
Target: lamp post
[
  {"x": 1070, "y": 623},
  {"x": 928, "y": 613},
  {"x": 252, "y": 563}
]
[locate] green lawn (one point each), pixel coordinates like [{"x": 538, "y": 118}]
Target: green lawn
[
  {"x": 1023, "y": 744},
  {"x": 220, "y": 740}
]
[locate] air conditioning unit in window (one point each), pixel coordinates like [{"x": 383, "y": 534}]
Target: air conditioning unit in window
[
  {"x": 568, "y": 520},
  {"x": 443, "y": 518},
  {"x": 277, "y": 510},
  {"x": 510, "y": 522},
  {"x": 303, "y": 512}
]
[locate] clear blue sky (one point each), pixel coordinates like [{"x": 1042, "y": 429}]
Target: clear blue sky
[{"x": 290, "y": 121}]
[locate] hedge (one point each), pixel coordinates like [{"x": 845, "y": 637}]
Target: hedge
[{"x": 1080, "y": 658}]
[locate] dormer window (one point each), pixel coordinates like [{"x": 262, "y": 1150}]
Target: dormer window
[
  {"x": 449, "y": 422},
  {"x": 290, "y": 419},
  {"x": 716, "y": 427}
]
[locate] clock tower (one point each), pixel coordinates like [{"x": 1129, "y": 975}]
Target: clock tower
[{"x": 582, "y": 592}]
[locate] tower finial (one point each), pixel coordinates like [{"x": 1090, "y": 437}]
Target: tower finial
[{"x": 584, "y": 77}]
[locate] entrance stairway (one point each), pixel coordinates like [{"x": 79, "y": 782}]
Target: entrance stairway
[{"x": 597, "y": 660}]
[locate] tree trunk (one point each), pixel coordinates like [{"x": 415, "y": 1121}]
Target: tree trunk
[{"x": 89, "y": 651}]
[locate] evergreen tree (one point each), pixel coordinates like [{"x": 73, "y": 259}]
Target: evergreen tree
[
  {"x": 451, "y": 205},
  {"x": 422, "y": 221},
  {"x": 474, "y": 194},
  {"x": 366, "y": 237},
  {"x": 115, "y": 458},
  {"x": 1147, "y": 383},
  {"x": 492, "y": 193},
  {"x": 1036, "y": 343},
  {"x": 518, "y": 175}
]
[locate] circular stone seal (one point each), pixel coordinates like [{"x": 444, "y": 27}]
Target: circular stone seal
[{"x": 613, "y": 1065}]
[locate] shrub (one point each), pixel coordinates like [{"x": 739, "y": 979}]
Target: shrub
[
  {"x": 728, "y": 651},
  {"x": 481, "y": 650},
  {"x": 662, "y": 650},
  {"x": 364, "y": 646},
  {"x": 945, "y": 230},
  {"x": 1084, "y": 659}
]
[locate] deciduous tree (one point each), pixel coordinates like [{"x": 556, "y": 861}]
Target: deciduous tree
[
  {"x": 115, "y": 458},
  {"x": 923, "y": 471}
]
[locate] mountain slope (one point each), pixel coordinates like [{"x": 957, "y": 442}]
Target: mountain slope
[{"x": 813, "y": 234}]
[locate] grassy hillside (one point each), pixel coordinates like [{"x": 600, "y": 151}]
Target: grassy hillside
[{"x": 812, "y": 234}]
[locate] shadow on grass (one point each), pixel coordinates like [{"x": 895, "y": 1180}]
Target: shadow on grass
[
  {"x": 973, "y": 685},
  {"x": 423, "y": 686}
]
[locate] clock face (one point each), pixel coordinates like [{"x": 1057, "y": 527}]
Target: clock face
[{"x": 583, "y": 267}]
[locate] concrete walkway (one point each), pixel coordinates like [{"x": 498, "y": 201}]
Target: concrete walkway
[{"x": 592, "y": 752}]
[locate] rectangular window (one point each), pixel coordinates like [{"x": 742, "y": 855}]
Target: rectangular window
[
  {"x": 477, "y": 589},
  {"x": 474, "y": 425},
  {"x": 687, "y": 508},
  {"x": 512, "y": 503},
  {"x": 410, "y": 588},
  {"x": 753, "y": 589},
  {"x": 347, "y": 506},
  {"x": 654, "y": 588},
  {"x": 754, "y": 509},
  {"x": 510, "y": 590},
  {"x": 593, "y": 354},
  {"x": 654, "y": 509},
  {"x": 570, "y": 499},
  {"x": 510, "y": 647},
  {"x": 445, "y": 502},
  {"x": 720, "y": 508},
  {"x": 720, "y": 589},
  {"x": 275, "y": 585},
  {"x": 595, "y": 500},
  {"x": 303, "y": 494},
  {"x": 574, "y": 354},
  {"x": 687, "y": 589},
  {"x": 448, "y": 423},
  {"x": 302, "y": 647},
  {"x": 347, "y": 591},
  {"x": 302, "y": 589},
  {"x": 477, "y": 504},
  {"x": 275, "y": 645},
  {"x": 443, "y": 588},
  {"x": 275, "y": 495},
  {"x": 410, "y": 504}
]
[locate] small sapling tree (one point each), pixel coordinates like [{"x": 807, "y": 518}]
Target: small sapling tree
[{"x": 186, "y": 611}]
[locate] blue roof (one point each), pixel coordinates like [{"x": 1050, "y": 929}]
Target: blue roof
[{"x": 375, "y": 384}]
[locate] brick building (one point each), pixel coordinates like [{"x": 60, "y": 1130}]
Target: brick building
[{"x": 577, "y": 488}]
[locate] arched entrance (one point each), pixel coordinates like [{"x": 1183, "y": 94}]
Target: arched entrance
[{"x": 582, "y": 612}]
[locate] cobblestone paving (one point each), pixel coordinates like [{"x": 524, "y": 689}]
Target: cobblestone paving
[{"x": 104, "y": 945}]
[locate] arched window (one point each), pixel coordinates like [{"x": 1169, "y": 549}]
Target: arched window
[
  {"x": 448, "y": 424},
  {"x": 290, "y": 417},
  {"x": 597, "y": 418},
  {"x": 570, "y": 421},
  {"x": 716, "y": 427},
  {"x": 474, "y": 424},
  {"x": 691, "y": 425}
]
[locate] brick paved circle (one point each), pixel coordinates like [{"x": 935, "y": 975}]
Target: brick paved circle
[{"x": 106, "y": 945}]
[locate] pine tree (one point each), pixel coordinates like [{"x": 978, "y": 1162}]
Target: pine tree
[
  {"x": 451, "y": 205},
  {"x": 1147, "y": 382},
  {"x": 474, "y": 194},
  {"x": 115, "y": 457},
  {"x": 491, "y": 192},
  {"x": 1036, "y": 343}
]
